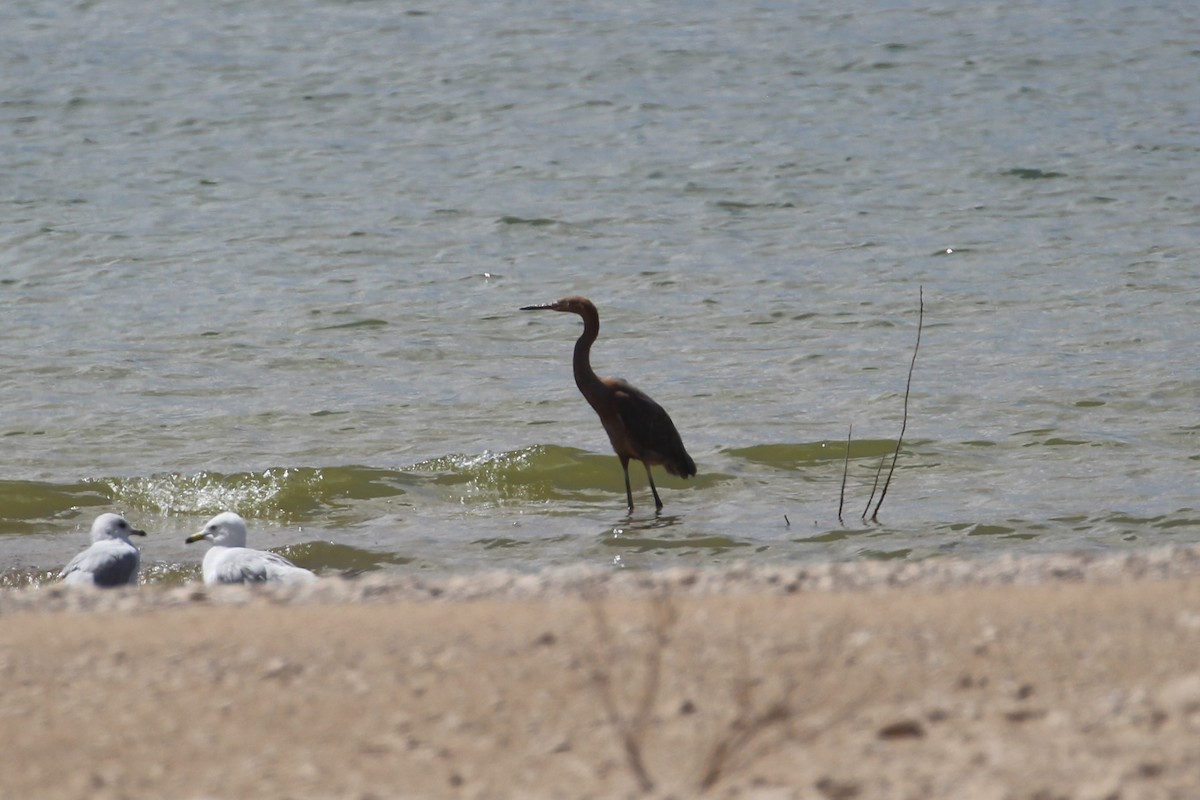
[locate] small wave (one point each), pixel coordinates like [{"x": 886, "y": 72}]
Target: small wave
[
  {"x": 809, "y": 454},
  {"x": 640, "y": 543},
  {"x": 1033, "y": 174},
  {"x": 285, "y": 493},
  {"x": 331, "y": 557},
  {"x": 28, "y": 506},
  {"x": 27, "y": 578},
  {"x": 742, "y": 205},
  {"x": 540, "y": 472},
  {"x": 536, "y": 222},
  {"x": 535, "y": 475},
  {"x": 280, "y": 492},
  {"x": 358, "y": 323}
]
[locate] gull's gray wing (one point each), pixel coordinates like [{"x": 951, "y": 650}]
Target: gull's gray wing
[{"x": 244, "y": 565}]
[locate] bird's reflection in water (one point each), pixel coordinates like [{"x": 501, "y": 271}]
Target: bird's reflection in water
[
  {"x": 655, "y": 534},
  {"x": 657, "y": 522}
]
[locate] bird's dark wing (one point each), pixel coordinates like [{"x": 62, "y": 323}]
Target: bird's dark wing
[
  {"x": 118, "y": 571},
  {"x": 650, "y": 429},
  {"x": 105, "y": 563}
]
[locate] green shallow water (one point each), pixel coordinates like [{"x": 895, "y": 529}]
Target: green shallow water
[
  {"x": 533, "y": 477},
  {"x": 543, "y": 505}
]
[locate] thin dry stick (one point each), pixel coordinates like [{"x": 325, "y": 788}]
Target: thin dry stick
[
  {"x": 747, "y": 722},
  {"x": 907, "y": 388},
  {"x": 845, "y": 469},
  {"x": 752, "y": 733},
  {"x": 632, "y": 730},
  {"x": 616, "y": 720},
  {"x": 747, "y": 727},
  {"x": 874, "y": 486},
  {"x": 665, "y": 615}
]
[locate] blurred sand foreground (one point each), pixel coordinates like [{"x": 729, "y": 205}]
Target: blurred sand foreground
[{"x": 1042, "y": 679}]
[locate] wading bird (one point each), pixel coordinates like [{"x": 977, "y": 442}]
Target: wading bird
[
  {"x": 111, "y": 560},
  {"x": 637, "y": 426},
  {"x": 230, "y": 561}
]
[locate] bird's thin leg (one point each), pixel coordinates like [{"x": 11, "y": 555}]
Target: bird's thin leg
[
  {"x": 649, "y": 477},
  {"x": 628, "y": 491}
]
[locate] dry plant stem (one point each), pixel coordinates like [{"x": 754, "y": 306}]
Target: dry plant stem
[
  {"x": 907, "y": 389},
  {"x": 664, "y": 619},
  {"x": 874, "y": 488},
  {"x": 845, "y": 470},
  {"x": 758, "y": 729},
  {"x": 742, "y": 732},
  {"x": 746, "y": 727},
  {"x": 631, "y": 730},
  {"x": 768, "y": 714}
]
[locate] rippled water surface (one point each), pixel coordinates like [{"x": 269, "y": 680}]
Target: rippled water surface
[{"x": 268, "y": 256}]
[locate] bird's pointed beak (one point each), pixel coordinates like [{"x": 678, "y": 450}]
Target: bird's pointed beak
[
  {"x": 541, "y": 307},
  {"x": 137, "y": 532},
  {"x": 195, "y": 537}
]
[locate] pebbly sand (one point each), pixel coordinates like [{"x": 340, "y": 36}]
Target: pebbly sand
[{"x": 1043, "y": 677}]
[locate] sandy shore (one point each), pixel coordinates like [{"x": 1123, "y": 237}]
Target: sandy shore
[{"x": 1054, "y": 677}]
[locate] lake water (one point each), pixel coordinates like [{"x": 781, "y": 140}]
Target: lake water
[{"x": 268, "y": 256}]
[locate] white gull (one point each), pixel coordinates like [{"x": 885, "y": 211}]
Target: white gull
[{"x": 230, "y": 561}]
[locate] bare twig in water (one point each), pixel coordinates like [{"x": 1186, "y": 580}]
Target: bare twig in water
[
  {"x": 904, "y": 420},
  {"x": 874, "y": 486},
  {"x": 845, "y": 469}
]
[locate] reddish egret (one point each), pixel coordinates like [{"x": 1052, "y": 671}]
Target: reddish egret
[{"x": 637, "y": 426}]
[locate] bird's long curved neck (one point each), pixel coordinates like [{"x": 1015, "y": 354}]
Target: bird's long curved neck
[{"x": 585, "y": 377}]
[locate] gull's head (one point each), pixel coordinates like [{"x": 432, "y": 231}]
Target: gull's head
[
  {"x": 225, "y": 530},
  {"x": 113, "y": 526}
]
